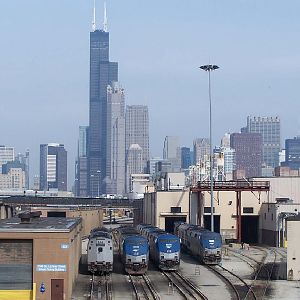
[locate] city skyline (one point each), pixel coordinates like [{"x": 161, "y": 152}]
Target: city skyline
[{"x": 246, "y": 88}]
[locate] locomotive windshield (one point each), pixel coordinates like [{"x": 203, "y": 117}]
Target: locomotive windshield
[{"x": 169, "y": 240}]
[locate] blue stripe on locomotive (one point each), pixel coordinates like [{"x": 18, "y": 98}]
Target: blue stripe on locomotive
[
  {"x": 168, "y": 243},
  {"x": 135, "y": 246}
]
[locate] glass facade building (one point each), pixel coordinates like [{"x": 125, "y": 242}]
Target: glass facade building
[
  {"x": 102, "y": 73},
  {"x": 53, "y": 167},
  {"x": 292, "y": 153}
]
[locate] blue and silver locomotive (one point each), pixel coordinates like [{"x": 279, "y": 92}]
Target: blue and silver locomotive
[
  {"x": 202, "y": 243},
  {"x": 165, "y": 250},
  {"x": 134, "y": 251}
]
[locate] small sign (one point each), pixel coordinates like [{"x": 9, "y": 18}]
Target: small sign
[
  {"x": 42, "y": 288},
  {"x": 64, "y": 246},
  {"x": 51, "y": 268}
]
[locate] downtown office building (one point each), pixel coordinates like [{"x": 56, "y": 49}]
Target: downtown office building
[
  {"x": 53, "y": 167},
  {"x": 102, "y": 73},
  {"x": 136, "y": 141},
  {"x": 269, "y": 128},
  {"x": 115, "y": 161}
]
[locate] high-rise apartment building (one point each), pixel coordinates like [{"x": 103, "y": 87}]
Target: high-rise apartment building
[
  {"x": 81, "y": 167},
  {"x": 172, "y": 152},
  {"x": 248, "y": 152},
  {"x": 292, "y": 153},
  {"x": 269, "y": 128},
  {"x": 201, "y": 150},
  {"x": 137, "y": 130},
  {"x": 53, "y": 167},
  {"x": 102, "y": 73},
  {"x": 6, "y": 154},
  {"x": 115, "y": 163}
]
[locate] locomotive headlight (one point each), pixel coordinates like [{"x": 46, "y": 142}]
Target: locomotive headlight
[{"x": 162, "y": 257}]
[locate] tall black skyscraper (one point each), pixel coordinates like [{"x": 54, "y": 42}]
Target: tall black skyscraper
[{"x": 102, "y": 73}]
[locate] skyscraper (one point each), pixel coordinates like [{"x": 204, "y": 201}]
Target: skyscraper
[
  {"x": 24, "y": 159},
  {"x": 6, "y": 154},
  {"x": 115, "y": 164},
  {"x": 269, "y": 128},
  {"x": 102, "y": 73},
  {"x": 81, "y": 176},
  {"x": 248, "y": 152},
  {"x": 53, "y": 167},
  {"x": 292, "y": 153},
  {"x": 201, "y": 150},
  {"x": 172, "y": 152},
  {"x": 137, "y": 129},
  {"x": 185, "y": 157},
  {"x": 134, "y": 164}
]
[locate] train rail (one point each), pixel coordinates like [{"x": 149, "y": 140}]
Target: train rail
[
  {"x": 238, "y": 285},
  {"x": 101, "y": 287},
  {"x": 143, "y": 288},
  {"x": 185, "y": 287},
  {"x": 263, "y": 269}
]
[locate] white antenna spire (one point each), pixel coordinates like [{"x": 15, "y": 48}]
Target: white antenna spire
[
  {"x": 94, "y": 17},
  {"x": 105, "y": 27}
]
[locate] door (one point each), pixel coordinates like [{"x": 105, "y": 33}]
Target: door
[{"x": 57, "y": 289}]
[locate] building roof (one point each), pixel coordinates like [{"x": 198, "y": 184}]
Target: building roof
[
  {"x": 294, "y": 218},
  {"x": 39, "y": 225}
]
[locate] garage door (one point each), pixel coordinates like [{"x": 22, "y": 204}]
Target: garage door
[{"x": 15, "y": 264}]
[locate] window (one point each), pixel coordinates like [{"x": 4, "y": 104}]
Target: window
[
  {"x": 175, "y": 210},
  {"x": 207, "y": 210}
]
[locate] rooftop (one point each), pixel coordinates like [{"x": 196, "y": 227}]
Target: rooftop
[{"x": 39, "y": 225}]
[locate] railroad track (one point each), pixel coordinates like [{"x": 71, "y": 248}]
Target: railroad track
[
  {"x": 240, "y": 288},
  {"x": 101, "y": 287},
  {"x": 266, "y": 267},
  {"x": 263, "y": 269},
  {"x": 184, "y": 286},
  {"x": 143, "y": 288}
]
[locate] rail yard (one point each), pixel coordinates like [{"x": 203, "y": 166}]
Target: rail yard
[{"x": 248, "y": 272}]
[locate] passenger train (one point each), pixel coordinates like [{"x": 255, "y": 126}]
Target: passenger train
[
  {"x": 164, "y": 247},
  {"x": 202, "y": 243},
  {"x": 133, "y": 249},
  {"x": 100, "y": 251}
]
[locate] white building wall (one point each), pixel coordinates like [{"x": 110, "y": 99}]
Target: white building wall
[{"x": 293, "y": 249}]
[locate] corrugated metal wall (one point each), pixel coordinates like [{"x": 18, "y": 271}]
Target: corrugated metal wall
[{"x": 15, "y": 264}]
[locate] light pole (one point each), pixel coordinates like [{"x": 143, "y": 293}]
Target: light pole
[
  {"x": 209, "y": 68},
  {"x": 98, "y": 173}
]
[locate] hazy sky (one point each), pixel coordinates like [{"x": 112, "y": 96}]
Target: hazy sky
[{"x": 44, "y": 67}]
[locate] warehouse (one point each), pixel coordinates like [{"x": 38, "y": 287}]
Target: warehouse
[{"x": 39, "y": 257}]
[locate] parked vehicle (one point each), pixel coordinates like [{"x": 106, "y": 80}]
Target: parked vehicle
[{"x": 100, "y": 251}]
